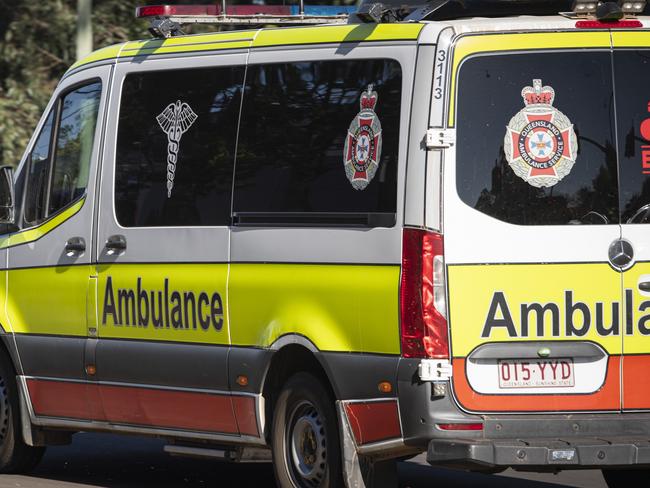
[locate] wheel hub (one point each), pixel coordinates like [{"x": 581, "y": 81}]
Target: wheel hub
[{"x": 307, "y": 444}]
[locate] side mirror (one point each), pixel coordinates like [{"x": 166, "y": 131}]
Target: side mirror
[{"x": 7, "y": 195}]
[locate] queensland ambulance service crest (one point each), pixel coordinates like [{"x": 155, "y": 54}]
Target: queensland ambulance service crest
[
  {"x": 540, "y": 143},
  {"x": 362, "y": 150}
]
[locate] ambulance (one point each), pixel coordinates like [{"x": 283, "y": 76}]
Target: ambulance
[{"x": 334, "y": 245}]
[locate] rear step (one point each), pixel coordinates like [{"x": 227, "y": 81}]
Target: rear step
[
  {"x": 236, "y": 455},
  {"x": 540, "y": 454}
]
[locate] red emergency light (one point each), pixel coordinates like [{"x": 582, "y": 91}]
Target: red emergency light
[
  {"x": 243, "y": 10},
  {"x": 598, "y": 24},
  {"x": 169, "y": 10}
]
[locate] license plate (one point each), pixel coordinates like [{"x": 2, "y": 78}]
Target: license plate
[{"x": 536, "y": 373}]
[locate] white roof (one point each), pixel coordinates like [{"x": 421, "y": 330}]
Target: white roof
[{"x": 503, "y": 24}]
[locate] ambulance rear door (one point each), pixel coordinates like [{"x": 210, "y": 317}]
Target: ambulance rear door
[
  {"x": 530, "y": 212},
  {"x": 632, "y": 79}
]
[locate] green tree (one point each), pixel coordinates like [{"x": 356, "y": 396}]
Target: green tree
[{"x": 37, "y": 45}]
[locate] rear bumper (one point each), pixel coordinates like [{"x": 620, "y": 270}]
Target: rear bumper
[
  {"x": 536, "y": 454},
  {"x": 535, "y": 442},
  {"x": 550, "y": 442}
]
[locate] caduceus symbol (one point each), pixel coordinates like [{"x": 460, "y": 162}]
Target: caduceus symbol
[{"x": 175, "y": 120}]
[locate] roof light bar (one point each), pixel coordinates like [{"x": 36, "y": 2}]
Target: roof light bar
[
  {"x": 606, "y": 11},
  {"x": 166, "y": 19}
]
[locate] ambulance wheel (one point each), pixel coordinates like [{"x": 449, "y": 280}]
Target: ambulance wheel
[
  {"x": 617, "y": 478},
  {"x": 15, "y": 455},
  {"x": 305, "y": 436}
]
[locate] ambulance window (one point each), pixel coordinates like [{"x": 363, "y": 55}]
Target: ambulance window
[
  {"x": 632, "y": 71},
  {"x": 296, "y": 117},
  {"x": 60, "y": 171},
  {"x": 74, "y": 145},
  {"x": 175, "y": 147},
  {"x": 491, "y": 109},
  {"x": 38, "y": 169}
]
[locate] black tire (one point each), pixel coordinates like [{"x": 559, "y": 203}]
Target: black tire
[
  {"x": 15, "y": 455},
  {"x": 305, "y": 436},
  {"x": 628, "y": 478}
]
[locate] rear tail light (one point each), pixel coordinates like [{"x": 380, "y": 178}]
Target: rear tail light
[{"x": 423, "y": 308}]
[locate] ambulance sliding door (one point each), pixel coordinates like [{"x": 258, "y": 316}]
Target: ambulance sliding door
[
  {"x": 50, "y": 306},
  {"x": 632, "y": 78},
  {"x": 530, "y": 213},
  {"x": 163, "y": 242}
]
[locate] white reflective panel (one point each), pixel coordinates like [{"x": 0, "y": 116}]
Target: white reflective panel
[{"x": 588, "y": 377}]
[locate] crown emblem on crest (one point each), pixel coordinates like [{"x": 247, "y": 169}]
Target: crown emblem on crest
[
  {"x": 537, "y": 94},
  {"x": 368, "y": 99},
  {"x": 540, "y": 144},
  {"x": 362, "y": 150}
]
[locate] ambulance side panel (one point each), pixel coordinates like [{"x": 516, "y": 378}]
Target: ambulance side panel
[{"x": 310, "y": 270}]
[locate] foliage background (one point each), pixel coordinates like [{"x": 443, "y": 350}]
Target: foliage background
[{"x": 37, "y": 45}]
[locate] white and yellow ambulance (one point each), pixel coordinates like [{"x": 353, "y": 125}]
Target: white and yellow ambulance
[{"x": 336, "y": 246}]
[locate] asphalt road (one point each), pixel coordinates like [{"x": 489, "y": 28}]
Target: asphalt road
[{"x": 108, "y": 461}]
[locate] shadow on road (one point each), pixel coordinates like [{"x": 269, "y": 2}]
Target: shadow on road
[
  {"x": 109, "y": 461},
  {"x": 413, "y": 475},
  {"x": 128, "y": 462}
]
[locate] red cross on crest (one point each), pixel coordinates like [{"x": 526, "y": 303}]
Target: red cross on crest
[{"x": 362, "y": 150}]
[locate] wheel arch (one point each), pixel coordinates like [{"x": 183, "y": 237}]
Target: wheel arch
[
  {"x": 292, "y": 354},
  {"x": 8, "y": 348}
]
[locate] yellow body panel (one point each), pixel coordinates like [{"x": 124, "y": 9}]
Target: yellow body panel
[
  {"x": 479, "y": 44},
  {"x": 109, "y": 52},
  {"x": 261, "y": 38},
  {"x": 337, "y": 307},
  {"x": 181, "y": 44},
  {"x": 49, "y": 300},
  {"x": 337, "y": 33},
  {"x": 638, "y": 343},
  {"x": 637, "y": 38},
  {"x": 191, "y": 279},
  {"x": 5, "y": 323},
  {"x": 474, "y": 300}
]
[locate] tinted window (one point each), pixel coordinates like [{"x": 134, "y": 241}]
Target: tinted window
[
  {"x": 175, "y": 147},
  {"x": 37, "y": 173},
  {"x": 490, "y": 95},
  {"x": 60, "y": 171},
  {"x": 296, "y": 118},
  {"x": 74, "y": 145},
  {"x": 632, "y": 69}
]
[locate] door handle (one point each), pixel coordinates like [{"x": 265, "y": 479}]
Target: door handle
[
  {"x": 644, "y": 286},
  {"x": 75, "y": 245},
  {"x": 116, "y": 244}
]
